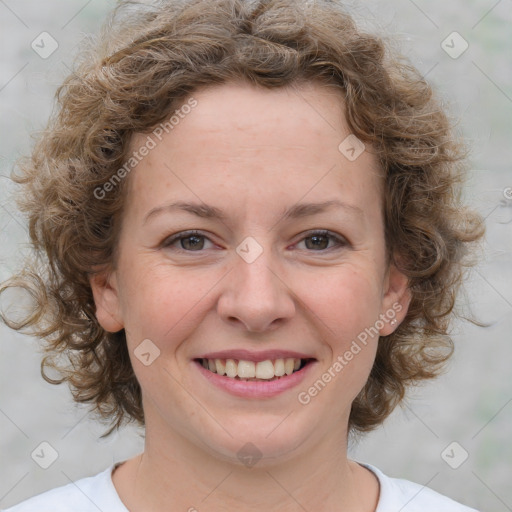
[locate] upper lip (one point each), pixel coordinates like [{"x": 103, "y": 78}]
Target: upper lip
[{"x": 247, "y": 355}]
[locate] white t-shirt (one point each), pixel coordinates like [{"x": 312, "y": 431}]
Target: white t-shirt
[{"x": 98, "y": 493}]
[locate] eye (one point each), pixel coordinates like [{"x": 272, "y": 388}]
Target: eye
[
  {"x": 322, "y": 240},
  {"x": 194, "y": 241},
  {"x": 191, "y": 241}
]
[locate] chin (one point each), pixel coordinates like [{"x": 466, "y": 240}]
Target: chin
[{"x": 264, "y": 441}]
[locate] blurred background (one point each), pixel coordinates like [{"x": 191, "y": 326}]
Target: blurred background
[{"x": 453, "y": 434}]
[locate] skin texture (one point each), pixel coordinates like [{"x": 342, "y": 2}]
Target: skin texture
[{"x": 252, "y": 153}]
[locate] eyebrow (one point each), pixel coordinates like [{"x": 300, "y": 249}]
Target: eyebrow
[
  {"x": 307, "y": 209},
  {"x": 211, "y": 212}
]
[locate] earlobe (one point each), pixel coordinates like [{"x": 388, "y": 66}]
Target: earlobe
[
  {"x": 396, "y": 300},
  {"x": 106, "y": 298}
]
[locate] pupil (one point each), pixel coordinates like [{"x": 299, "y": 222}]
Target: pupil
[
  {"x": 318, "y": 241},
  {"x": 196, "y": 242}
]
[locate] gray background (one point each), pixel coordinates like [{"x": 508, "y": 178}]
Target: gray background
[{"x": 470, "y": 405}]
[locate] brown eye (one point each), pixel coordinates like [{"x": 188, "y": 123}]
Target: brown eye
[
  {"x": 185, "y": 241},
  {"x": 192, "y": 243},
  {"x": 323, "y": 240},
  {"x": 317, "y": 242}
]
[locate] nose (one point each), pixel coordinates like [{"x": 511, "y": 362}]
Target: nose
[{"x": 257, "y": 295}]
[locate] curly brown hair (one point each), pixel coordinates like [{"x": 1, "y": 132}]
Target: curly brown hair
[{"x": 152, "y": 57}]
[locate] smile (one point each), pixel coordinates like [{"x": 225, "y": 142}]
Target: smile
[
  {"x": 254, "y": 376},
  {"x": 266, "y": 370}
]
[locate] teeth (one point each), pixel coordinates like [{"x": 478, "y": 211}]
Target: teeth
[
  {"x": 279, "y": 367},
  {"x": 231, "y": 368},
  {"x": 288, "y": 366},
  {"x": 243, "y": 369},
  {"x": 221, "y": 367},
  {"x": 248, "y": 370},
  {"x": 264, "y": 370}
]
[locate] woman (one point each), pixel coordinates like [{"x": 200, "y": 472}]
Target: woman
[{"x": 254, "y": 240}]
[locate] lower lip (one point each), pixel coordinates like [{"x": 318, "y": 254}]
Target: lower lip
[{"x": 255, "y": 388}]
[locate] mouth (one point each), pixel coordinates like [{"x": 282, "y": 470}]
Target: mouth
[{"x": 245, "y": 370}]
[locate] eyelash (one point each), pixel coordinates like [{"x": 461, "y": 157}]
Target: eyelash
[{"x": 183, "y": 235}]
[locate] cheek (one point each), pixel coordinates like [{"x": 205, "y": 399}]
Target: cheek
[
  {"x": 346, "y": 301},
  {"x": 163, "y": 304}
]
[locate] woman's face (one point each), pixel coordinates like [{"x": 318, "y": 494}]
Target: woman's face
[{"x": 286, "y": 261}]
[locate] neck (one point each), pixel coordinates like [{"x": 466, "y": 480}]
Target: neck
[{"x": 173, "y": 471}]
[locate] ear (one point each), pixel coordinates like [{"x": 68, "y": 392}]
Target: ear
[
  {"x": 396, "y": 300},
  {"x": 106, "y": 298}
]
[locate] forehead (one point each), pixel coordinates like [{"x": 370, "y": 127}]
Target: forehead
[
  {"x": 243, "y": 139},
  {"x": 253, "y": 115}
]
